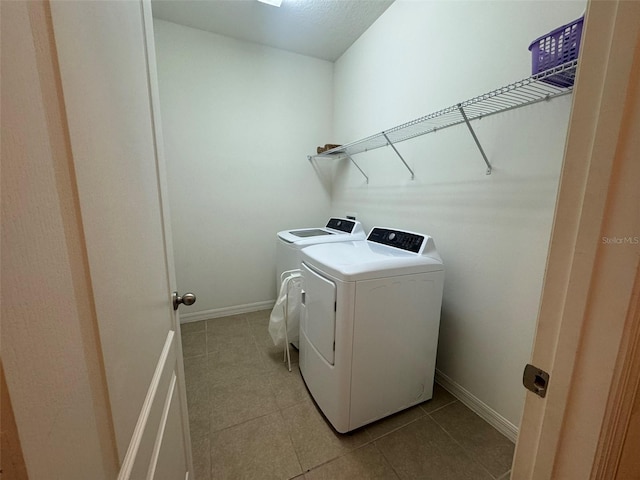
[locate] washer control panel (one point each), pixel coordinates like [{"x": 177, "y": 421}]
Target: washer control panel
[
  {"x": 341, "y": 224},
  {"x": 411, "y": 242}
]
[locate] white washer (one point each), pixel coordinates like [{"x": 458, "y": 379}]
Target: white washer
[
  {"x": 369, "y": 325},
  {"x": 291, "y": 242}
]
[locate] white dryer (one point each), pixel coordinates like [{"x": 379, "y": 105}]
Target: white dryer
[{"x": 369, "y": 325}]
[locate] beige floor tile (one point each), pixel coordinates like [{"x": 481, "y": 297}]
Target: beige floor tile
[
  {"x": 441, "y": 397},
  {"x": 195, "y": 369},
  {"x": 423, "y": 451},
  {"x": 259, "y": 315},
  {"x": 258, "y": 449},
  {"x": 198, "y": 421},
  {"x": 239, "y": 400},
  {"x": 260, "y": 332},
  {"x": 364, "y": 463},
  {"x": 272, "y": 354},
  {"x": 314, "y": 440},
  {"x": 288, "y": 387},
  {"x": 506, "y": 476},
  {"x": 194, "y": 344},
  {"x": 198, "y": 409},
  {"x": 273, "y": 357},
  {"x": 201, "y": 452},
  {"x": 227, "y": 325},
  {"x": 393, "y": 422},
  {"x": 197, "y": 388},
  {"x": 193, "y": 327},
  {"x": 226, "y": 332},
  {"x": 229, "y": 372},
  {"x": 259, "y": 322},
  {"x": 196, "y": 380},
  {"x": 234, "y": 361},
  {"x": 480, "y": 440},
  {"x": 217, "y": 343}
]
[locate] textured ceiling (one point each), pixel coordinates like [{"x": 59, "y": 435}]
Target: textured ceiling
[{"x": 318, "y": 28}]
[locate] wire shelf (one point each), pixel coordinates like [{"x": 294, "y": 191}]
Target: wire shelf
[{"x": 537, "y": 88}]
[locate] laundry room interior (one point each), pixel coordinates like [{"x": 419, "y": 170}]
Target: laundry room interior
[{"x": 242, "y": 122}]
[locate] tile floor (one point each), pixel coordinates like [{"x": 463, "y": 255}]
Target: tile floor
[{"x": 252, "y": 419}]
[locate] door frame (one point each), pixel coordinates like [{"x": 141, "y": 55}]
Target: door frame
[{"x": 591, "y": 281}]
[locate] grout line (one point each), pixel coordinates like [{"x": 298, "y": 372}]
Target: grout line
[
  {"x": 440, "y": 407},
  {"x": 242, "y": 422},
  {"x": 397, "y": 428},
  {"x": 343, "y": 454},
  {"x": 464, "y": 450},
  {"x": 395, "y": 472},
  {"x": 193, "y": 356},
  {"x": 255, "y": 341},
  {"x": 209, "y": 421},
  {"x": 266, "y": 372},
  {"x": 288, "y": 430},
  {"x": 366, "y": 443},
  {"x": 371, "y": 441}
]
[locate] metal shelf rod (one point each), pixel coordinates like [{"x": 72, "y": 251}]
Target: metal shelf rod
[
  {"x": 398, "y": 153},
  {"x": 358, "y": 167},
  {"x": 475, "y": 138}
]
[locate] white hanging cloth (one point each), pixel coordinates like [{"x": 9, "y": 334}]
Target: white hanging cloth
[{"x": 284, "y": 322}]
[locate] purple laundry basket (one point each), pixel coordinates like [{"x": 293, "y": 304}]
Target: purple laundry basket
[{"x": 559, "y": 46}]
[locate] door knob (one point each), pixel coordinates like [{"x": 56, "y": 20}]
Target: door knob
[{"x": 187, "y": 299}]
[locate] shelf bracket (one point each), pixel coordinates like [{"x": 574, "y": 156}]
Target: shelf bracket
[
  {"x": 398, "y": 153},
  {"x": 357, "y": 166},
  {"x": 475, "y": 138}
]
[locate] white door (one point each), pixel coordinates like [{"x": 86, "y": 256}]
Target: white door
[{"x": 107, "y": 66}]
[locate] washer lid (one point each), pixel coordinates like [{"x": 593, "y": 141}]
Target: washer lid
[
  {"x": 364, "y": 259},
  {"x": 337, "y": 230},
  {"x": 312, "y": 232}
]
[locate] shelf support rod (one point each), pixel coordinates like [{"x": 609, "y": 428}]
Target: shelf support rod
[
  {"x": 398, "y": 153},
  {"x": 357, "y": 166},
  {"x": 475, "y": 138}
]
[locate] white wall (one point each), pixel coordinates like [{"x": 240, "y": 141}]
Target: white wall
[
  {"x": 492, "y": 231},
  {"x": 238, "y": 120}
]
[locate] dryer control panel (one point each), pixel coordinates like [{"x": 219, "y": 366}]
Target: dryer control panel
[{"x": 397, "y": 238}]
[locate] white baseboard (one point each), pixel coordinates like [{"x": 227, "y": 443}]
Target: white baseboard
[
  {"x": 483, "y": 410},
  {"x": 226, "y": 311}
]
